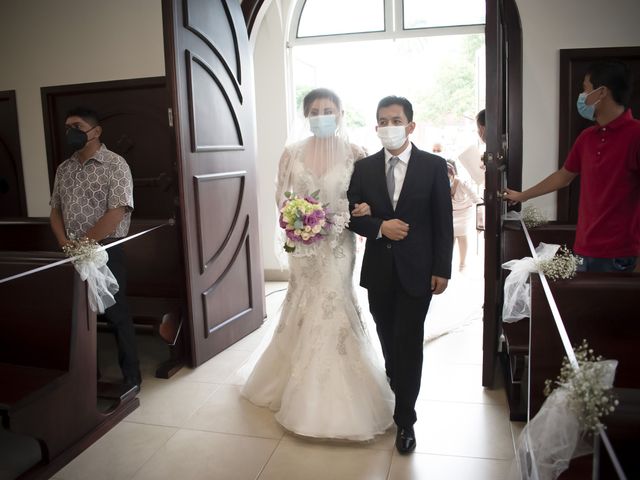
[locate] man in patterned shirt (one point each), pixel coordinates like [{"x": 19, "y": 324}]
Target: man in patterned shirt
[{"x": 93, "y": 197}]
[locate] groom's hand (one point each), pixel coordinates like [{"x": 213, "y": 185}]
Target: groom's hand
[
  {"x": 438, "y": 285},
  {"x": 394, "y": 229}
]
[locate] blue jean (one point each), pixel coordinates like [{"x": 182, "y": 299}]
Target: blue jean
[{"x": 618, "y": 264}]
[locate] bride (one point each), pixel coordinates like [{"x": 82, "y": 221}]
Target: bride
[{"x": 319, "y": 372}]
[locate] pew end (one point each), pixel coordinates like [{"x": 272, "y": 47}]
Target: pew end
[{"x": 48, "y": 387}]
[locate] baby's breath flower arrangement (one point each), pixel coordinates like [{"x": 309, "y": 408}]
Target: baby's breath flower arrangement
[
  {"x": 588, "y": 393},
  {"x": 562, "y": 265},
  {"x": 90, "y": 261},
  {"x": 533, "y": 217},
  {"x": 84, "y": 249}
]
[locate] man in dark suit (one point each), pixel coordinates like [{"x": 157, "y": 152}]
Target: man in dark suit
[{"x": 401, "y": 202}]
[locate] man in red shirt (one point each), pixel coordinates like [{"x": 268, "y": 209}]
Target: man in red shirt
[{"x": 607, "y": 158}]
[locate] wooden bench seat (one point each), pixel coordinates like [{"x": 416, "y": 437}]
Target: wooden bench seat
[
  {"x": 154, "y": 278},
  {"x": 48, "y": 387}
]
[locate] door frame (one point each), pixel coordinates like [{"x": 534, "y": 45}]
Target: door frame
[{"x": 503, "y": 158}]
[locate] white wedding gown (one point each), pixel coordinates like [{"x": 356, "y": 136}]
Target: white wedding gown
[{"x": 320, "y": 373}]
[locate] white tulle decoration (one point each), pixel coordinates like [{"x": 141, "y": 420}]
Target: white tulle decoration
[
  {"x": 90, "y": 261},
  {"x": 555, "y": 435},
  {"x": 517, "y": 298}
]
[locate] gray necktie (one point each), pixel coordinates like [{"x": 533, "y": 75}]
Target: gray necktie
[{"x": 391, "y": 181}]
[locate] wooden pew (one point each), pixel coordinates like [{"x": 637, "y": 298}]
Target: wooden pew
[
  {"x": 48, "y": 362},
  {"x": 154, "y": 277},
  {"x": 515, "y": 345},
  {"x": 602, "y": 308}
]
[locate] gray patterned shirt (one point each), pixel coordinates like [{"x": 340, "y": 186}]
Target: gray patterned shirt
[{"x": 84, "y": 192}]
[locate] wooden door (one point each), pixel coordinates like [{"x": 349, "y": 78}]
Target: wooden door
[
  {"x": 12, "y": 192},
  {"x": 210, "y": 77},
  {"x": 502, "y": 159},
  {"x": 135, "y": 125}
]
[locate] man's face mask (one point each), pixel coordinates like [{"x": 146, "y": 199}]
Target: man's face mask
[
  {"x": 392, "y": 137},
  {"x": 76, "y": 138},
  {"x": 587, "y": 111}
]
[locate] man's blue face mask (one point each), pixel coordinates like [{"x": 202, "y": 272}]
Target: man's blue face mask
[{"x": 586, "y": 111}]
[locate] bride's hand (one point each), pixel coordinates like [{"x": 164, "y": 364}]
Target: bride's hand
[{"x": 361, "y": 209}]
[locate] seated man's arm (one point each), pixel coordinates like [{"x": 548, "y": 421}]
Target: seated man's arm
[
  {"x": 107, "y": 224},
  {"x": 57, "y": 225}
]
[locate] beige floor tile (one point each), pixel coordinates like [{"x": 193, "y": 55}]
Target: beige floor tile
[
  {"x": 119, "y": 454},
  {"x": 170, "y": 402},
  {"x": 195, "y": 455},
  {"x": 464, "y": 429},
  {"x": 300, "y": 459},
  {"x": 217, "y": 370},
  {"x": 462, "y": 346},
  {"x": 227, "y": 412},
  {"x": 457, "y": 383},
  {"x": 420, "y": 466}
]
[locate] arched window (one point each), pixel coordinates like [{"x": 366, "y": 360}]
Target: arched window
[
  {"x": 384, "y": 18},
  {"x": 430, "y": 51}
]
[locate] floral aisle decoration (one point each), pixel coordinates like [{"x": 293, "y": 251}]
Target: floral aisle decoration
[
  {"x": 569, "y": 416},
  {"x": 588, "y": 388},
  {"x": 553, "y": 261},
  {"x": 304, "y": 219},
  {"x": 563, "y": 265},
  {"x": 90, "y": 261},
  {"x": 533, "y": 216}
]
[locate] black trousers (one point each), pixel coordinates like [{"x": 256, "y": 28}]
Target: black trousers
[
  {"x": 399, "y": 319},
  {"x": 119, "y": 317}
]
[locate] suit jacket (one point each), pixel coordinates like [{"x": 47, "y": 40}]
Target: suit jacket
[{"x": 424, "y": 203}]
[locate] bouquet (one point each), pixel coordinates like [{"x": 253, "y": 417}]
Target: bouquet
[{"x": 304, "y": 220}]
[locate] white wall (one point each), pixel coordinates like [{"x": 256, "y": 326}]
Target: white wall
[
  {"x": 271, "y": 119},
  {"x": 547, "y": 27},
  {"x": 46, "y": 43}
]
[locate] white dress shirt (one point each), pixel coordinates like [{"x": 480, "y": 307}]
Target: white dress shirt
[{"x": 399, "y": 172}]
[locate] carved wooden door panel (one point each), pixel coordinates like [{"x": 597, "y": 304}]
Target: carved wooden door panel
[{"x": 209, "y": 72}]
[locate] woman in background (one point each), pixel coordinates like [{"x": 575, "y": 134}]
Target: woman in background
[{"x": 463, "y": 200}]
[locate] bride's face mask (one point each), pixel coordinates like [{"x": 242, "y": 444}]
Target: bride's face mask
[
  {"x": 323, "y": 117},
  {"x": 323, "y": 126}
]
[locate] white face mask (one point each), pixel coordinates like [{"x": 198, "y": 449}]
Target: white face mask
[
  {"x": 392, "y": 138},
  {"x": 323, "y": 126}
]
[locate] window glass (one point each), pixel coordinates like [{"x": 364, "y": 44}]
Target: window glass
[
  {"x": 436, "y": 13},
  {"x": 331, "y": 17}
]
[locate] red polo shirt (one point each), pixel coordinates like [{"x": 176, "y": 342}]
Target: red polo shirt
[{"x": 608, "y": 161}]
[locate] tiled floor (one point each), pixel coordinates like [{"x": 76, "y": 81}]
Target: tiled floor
[{"x": 196, "y": 426}]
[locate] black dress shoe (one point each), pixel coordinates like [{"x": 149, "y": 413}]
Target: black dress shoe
[
  {"x": 134, "y": 382},
  {"x": 405, "y": 440}
]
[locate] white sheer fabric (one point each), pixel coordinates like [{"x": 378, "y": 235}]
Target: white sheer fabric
[
  {"x": 320, "y": 372},
  {"x": 554, "y": 436},
  {"x": 102, "y": 285}
]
